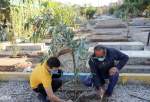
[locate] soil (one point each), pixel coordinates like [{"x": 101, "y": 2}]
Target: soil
[
  {"x": 8, "y": 69},
  {"x": 8, "y": 64},
  {"x": 19, "y": 91}
]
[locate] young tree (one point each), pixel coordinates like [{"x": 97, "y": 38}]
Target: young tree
[{"x": 62, "y": 38}]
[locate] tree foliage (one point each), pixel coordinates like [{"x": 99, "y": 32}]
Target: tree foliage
[
  {"x": 147, "y": 11},
  {"x": 88, "y": 12},
  {"x": 4, "y": 9},
  {"x": 130, "y": 8},
  {"x": 52, "y": 14},
  {"x": 62, "y": 38}
]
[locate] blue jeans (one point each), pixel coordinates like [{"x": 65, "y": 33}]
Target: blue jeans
[
  {"x": 89, "y": 81},
  {"x": 112, "y": 83}
]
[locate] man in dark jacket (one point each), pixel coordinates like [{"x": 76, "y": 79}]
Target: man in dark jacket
[{"x": 103, "y": 66}]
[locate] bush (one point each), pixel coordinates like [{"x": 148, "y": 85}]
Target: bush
[
  {"x": 52, "y": 14},
  {"x": 111, "y": 10},
  {"x": 147, "y": 11},
  {"x": 130, "y": 8},
  {"x": 88, "y": 12}
]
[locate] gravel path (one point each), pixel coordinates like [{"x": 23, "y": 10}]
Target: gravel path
[
  {"x": 16, "y": 91},
  {"x": 127, "y": 93},
  {"x": 19, "y": 91}
]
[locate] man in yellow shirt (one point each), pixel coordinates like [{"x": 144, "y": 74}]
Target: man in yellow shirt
[{"x": 42, "y": 81}]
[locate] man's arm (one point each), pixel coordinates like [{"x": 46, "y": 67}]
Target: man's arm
[
  {"x": 97, "y": 82},
  {"x": 51, "y": 95},
  {"x": 47, "y": 84},
  {"x": 121, "y": 57}
]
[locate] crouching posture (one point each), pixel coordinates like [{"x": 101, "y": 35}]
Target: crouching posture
[
  {"x": 44, "y": 83},
  {"x": 102, "y": 65}
]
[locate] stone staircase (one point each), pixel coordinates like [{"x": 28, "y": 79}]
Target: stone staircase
[
  {"x": 107, "y": 30},
  {"x": 112, "y": 32},
  {"x": 124, "y": 45},
  {"x": 139, "y": 59}
]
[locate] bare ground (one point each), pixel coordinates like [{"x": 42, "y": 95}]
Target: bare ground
[{"x": 19, "y": 91}]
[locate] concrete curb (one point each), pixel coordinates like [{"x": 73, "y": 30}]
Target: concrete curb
[{"x": 124, "y": 77}]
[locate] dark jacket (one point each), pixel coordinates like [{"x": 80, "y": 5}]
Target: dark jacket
[{"x": 101, "y": 68}]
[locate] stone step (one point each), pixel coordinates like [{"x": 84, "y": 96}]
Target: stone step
[
  {"x": 25, "y": 46},
  {"x": 111, "y": 23},
  {"x": 107, "y": 38},
  {"x": 136, "y": 69},
  {"x": 123, "y": 45},
  {"x": 132, "y": 69},
  {"x": 22, "y": 53},
  {"x": 135, "y": 57},
  {"x": 140, "y": 21},
  {"x": 110, "y": 31}
]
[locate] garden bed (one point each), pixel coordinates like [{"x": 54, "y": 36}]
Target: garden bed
[{"x": 8, "y": 64}]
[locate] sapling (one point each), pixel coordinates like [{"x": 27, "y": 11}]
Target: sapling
[{"x": 63, "y": 38}]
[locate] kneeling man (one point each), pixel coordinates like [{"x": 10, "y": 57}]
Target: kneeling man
[
  {"x": 42, "y": 81},
  {"x": 102, "y": 65}
]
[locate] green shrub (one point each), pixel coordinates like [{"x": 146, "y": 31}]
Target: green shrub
[
  {"x": 131, "y": 8},
  {"x": 147, "y": 11},
  {"x": 88, "y": 12},
  {"x": 111, "y": 10},
  {"x": 52, "y": 14}
]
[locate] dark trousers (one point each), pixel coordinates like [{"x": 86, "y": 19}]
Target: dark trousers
[
  {"x": 56, "y": 84},
  {"x": 112, "y": 82}
]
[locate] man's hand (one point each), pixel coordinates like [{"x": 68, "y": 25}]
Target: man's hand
[
  {"x": 101, "y": 92},
  {"x": 51, "y": 95},
  {"x": 113, "y": 71}
]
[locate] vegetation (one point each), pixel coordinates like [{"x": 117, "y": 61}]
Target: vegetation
[
  {"x": 147, "y": 11},
  {"x": 52, "y": 14},
  {"x": 58, "y": 21},
  {"x": 62, "y": 38},
  {"x": 131, "y": 8},
  {"x": 4, "y": 10},
  {"x": 4, "y": 17},
  {"x": 47, "y": 18},
  {"x": 88, "y": 12},
  {"x": 21, "y": 13}
]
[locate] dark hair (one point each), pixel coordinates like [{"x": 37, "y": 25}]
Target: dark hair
[
  {"x": 99, "y": 47},
  {"x": 53, "y": 62}
]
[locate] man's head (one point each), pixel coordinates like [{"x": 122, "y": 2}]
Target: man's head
[
  {"x": 99, "y": 51},
  {"x": 53, "y": 63},
  {"x": 54, "y": 67}
]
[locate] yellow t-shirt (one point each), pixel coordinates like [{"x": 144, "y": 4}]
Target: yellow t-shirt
[{"x": 40, "y": 75}]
